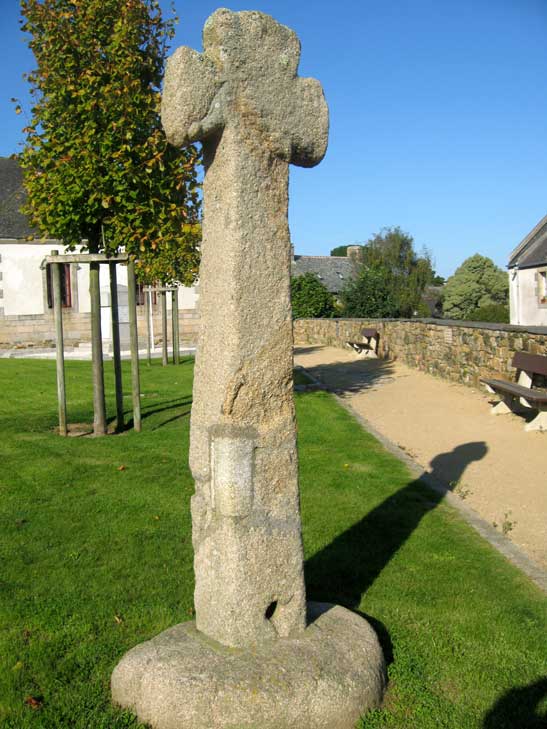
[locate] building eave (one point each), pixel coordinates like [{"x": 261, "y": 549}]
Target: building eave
[{"x": 528, "y": 240}]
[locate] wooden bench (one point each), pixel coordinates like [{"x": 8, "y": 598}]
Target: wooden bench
[
  {"x": 369, "y": 345},
  {"x": 522, "y": 393}
]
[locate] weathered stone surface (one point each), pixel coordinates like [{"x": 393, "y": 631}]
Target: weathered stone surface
[
  {"x": 243, "y": 100},
  {"x": 249, "y": 660},
  {"x": 325, "y": 678}
]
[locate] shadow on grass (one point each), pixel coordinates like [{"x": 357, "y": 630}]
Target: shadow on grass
[
  {"x": 179, "y": 416},
  {"x": 346, "y": 568},
  {"x": 518, "y": 708},
  {"x": 166, "y": 405},
  {"x": 342, "y": 572},
  {"x": 147, "y": 412},
  {"x": 349, "y": 377}
]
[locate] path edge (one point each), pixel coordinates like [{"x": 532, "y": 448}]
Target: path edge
[{"x": 514, "y": 554}]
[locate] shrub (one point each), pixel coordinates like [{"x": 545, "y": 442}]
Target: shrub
[
  {"x": 310, "y": 298},
  {"x": 490, "y": 312},
  {"x": 477, "y": 284}
]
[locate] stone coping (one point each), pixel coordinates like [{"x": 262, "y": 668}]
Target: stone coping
[{"x": 492, "y": 326}]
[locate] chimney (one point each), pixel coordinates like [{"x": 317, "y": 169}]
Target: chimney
[{"x": 355, "y": 253}]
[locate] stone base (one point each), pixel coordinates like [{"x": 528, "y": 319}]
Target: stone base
[{"x": 327, "y": 677}]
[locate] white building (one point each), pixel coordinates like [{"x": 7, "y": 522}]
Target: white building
[
  {"x": 528, "y": 278},
  {"x": 26, "y": 313}
]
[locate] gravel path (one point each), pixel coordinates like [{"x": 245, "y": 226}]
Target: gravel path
[{"x": 490, "y": 462}]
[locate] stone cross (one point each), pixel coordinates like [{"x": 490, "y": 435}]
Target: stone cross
[{"x": 243, "y": 100}]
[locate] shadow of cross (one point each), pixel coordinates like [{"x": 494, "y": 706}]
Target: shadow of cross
[{"x": 243, "y": 100}]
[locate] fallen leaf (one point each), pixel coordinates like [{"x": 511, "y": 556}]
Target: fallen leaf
[
  {"x": 121, "y": 468},
  {"x": 35, "y": 702},
  {"x": 118, "y": 619},
  {"x": 156, "y": 518}
]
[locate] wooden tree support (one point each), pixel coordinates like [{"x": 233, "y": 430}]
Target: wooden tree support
[
  {"x": 60, "y": 349},
  {"x": 116, "y": 353},
  {"x": 164, "y": 357},
  {"x": 99, "y": 406},
  {"x": 162, "y": 291},
  {"x": 134, "y": 340},
  {"x": 175, "y": 324},
  {"x": 148, "y": 315}
]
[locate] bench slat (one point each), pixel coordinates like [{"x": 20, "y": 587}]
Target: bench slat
[
  {"x": 536, "y": 363},
  {"x": 536, "y": 396}
]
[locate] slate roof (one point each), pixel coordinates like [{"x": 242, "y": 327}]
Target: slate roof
[
  {"x": 13, "y": 224},
  {"x": 333, "y": 271},
  {"x": 532, "y": 251}
]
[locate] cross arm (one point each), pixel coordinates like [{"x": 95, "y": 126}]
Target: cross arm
[{"x": 190, "y": 86}]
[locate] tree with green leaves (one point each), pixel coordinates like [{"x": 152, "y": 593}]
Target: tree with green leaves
[
  {"x": 371, "y": 294},
  {"x": 400, "y": 275},
  {"x": 476, "y": 284},
  {"x": 310, "y": 298},
  {"x": 392, "y": 250},
  {"x": 97, "y": 165}
]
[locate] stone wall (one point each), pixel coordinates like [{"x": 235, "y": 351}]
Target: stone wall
[
  {"x": 459, "y": 351},
  {"x": 38, "y": 330}
]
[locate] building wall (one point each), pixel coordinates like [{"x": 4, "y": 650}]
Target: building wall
[
  {"x": 526, "y": 309},
  {"x": 26, "y": 320},
  {"x": 458, "y": 351}
]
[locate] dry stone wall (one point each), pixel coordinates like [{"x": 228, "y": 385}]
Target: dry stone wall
[{"x": 458, "y": 351}]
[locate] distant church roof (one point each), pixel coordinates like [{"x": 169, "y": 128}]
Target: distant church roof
[
  {"x": 13, "y": 224},
  {"x": 333, "y": 271},
  {"x": 532, "y": 251}
]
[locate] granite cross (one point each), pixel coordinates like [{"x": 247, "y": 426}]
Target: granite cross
[
  {"x": 243, "y": 100},
  {"x": 251, "y": 658}
]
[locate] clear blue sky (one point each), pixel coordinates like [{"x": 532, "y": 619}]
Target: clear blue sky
[{"x": 438, "y": 118}]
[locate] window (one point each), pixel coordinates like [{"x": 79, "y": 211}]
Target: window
[
  {"x": 66, "y": 294},
  {"x": 542, "y": 286}
]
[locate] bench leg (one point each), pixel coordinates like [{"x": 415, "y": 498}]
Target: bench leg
[
  {"x": 362, "y": 350},
  {"x": 372, "y": 346},
  {"x": 538, "y": 423},
  {"x": 502, "y": 407}
]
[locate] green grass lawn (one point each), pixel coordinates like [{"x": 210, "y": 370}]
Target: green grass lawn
[{"x": 96, "y": 556}]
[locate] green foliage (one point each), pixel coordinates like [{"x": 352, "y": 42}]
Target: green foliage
[
  {"x": 422, "y": 311},
  {"x": 310, "y": 298},
  {"x": 371, "y": 294},
  {"x": 477, "y": 283},
  {"x": 97, "y": 164},
  {"x": 498, "y": 313},
  {"x": 392, "y": 280},
  {"x": 341, "y": 251}
]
